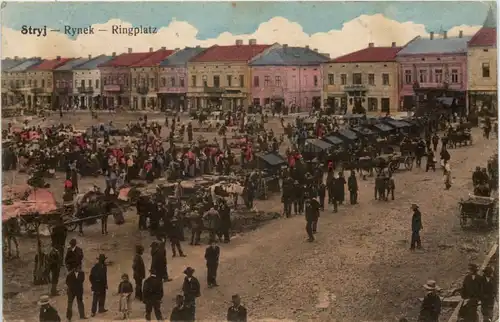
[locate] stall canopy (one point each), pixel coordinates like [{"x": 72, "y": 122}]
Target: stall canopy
[
  {"x": 396, "y": 124},
  {"x": 333, "y": 140},
  {"x": 316, "y": 145},
  {"x": 271, "y": 159},
  {"x": 362, "y": 130},
  {"x": 100, "y": 130},
  {"x": 347, "y": 134},
  {"x": 382, "y": 127}
]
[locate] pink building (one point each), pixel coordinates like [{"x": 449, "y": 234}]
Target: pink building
[
  {"x": 288, "y": 76},
  {"x": 433, "y": 69}
]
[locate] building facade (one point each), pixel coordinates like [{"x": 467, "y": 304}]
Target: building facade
[
  {"x": 14, "y": 79},
  {"x": 220, "y": 76},
  {"x": 287, "y": 76},
  {"x": 482, "y": 66},
  {"x": 40, "y": 79},
  {"x": 116, "y": 80},
  {"x": 87, "y": 82},
  {"x": 173, "y": 78},
  {"x": 363, "y": 81},
  {"x": 64, "y": 84},
  {"x": 432, "y": 69},
  {"x": 144, "y": 75}
]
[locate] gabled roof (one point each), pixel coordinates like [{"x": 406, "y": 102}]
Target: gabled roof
[
  {"x": 484, "y": 37},
  {"x": 9, "y": 63},
  {"x": 420, "y": 46},
  {"x": 241, "y": 53},
  {"x": 93, "y": 63},
  {"x": 290, "y": 56},
  {"x": 71, "y": 64},
  {"x": 126, "y": 60},
  {"x": 51, "y": 64},
  {"x": 155, "y": 59},
  {"x": 182, "y": 57},
  {"x": 26, "y": 65},
  {"x": 370, "y": 55}
]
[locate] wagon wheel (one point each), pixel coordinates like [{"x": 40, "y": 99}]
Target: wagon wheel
[
  {"x": 408, "y": 161},
  {"x": 463, "y": 217},
  {"x": 393, "y": 165},
  {"x": 71, "y": 226},
  {"x": 378, "y": 170}
]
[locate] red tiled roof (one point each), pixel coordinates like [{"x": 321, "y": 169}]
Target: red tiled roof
[
  {"x": 50, "y": 64},
  {"x": 230, "y": 53},
  {"x": 370, "y": 55},
  {"x": 484, "y": 37},
  {"x": 155, "y": 59},
  {"x": 126, "y": 60}
]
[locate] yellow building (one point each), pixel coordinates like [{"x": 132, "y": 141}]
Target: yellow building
[
  {"x": 482, "y": 65},
  {"x": 365, "y": 80},
  {"x": 14, "y": 80},
  {"x": 220, "y": 76}
]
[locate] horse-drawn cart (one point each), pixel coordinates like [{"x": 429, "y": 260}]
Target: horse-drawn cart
[
  {"x": 476, "y": 210},
  {"x": 393, "y": 162}
]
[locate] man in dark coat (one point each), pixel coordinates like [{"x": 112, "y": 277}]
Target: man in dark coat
[
  {"x": 312, "y": 215},
  {"x": 340, "y": 188},
  {"x": 212, "y": 254},
  {"x": 471, "y": 293},
  {"x": 416, "y": 226},
  {"x": 489, "y": 294},
  {"x": 352, "y": 185},
  {"x": 322, "y": 194},
  {"x": 225, "y": 221},
  {"x": 159, "y": 260},
  {"x": 54, "y": 268},
  {"x": 74, "y": 256},
  {"x": 431, "y": 305},
  {"x": 191, "y": 290},
  {"x": 58, "y": 237},
  {"x": 237, "y": 312},
  {"x": 179, "y": 312},
  {"x": 74, "y": 282},
  {"x": 47, "y": 312},
  {"x": 175, "y": 236},
  {"x": 152, "y": 292},
  {"x": 99, "y": 284},
  {"x": 139, "y": 270}
]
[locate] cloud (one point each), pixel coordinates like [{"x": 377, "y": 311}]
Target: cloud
[{"x": 354, "y": 35}]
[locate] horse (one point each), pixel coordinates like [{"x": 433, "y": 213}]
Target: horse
[
  {"x": 11, "y": 228},
  {"x": 227, "y": 189}
]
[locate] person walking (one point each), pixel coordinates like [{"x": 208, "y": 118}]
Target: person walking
[
  {"x": 352, "y": 184},
  {"x": 74, "y": 256},
  {"x": 125, "y": 290},
  {"x": 139, "y": 270},
  {"x": 416, "y": 226},
  {"x": 212, "y": 254},
  {"x": 237, "y": 312},
  {"x": 489, "y": 294},
  {"x": 431, "y": 305},
  {"x": 54, "y": 264},
  {"x": 191, "y": 290},
  {"x": 152, "y": 292},
  {"x": 99, "y": 284},
  {"x": 312, "y": 216},
  {"x": 74, "y": 282}
]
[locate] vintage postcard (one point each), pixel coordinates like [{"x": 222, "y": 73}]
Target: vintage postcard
[{"x": 241, "y": 161}]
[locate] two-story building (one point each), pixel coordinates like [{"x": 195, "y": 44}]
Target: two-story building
[
  {"x": 362, "y": 81},
  {"x": 144, "y": 75},
  {"x": 482, "y": 65},
  {"x": 9, "y": 90},
  {"x": 116, "y": 80},
  {"x": 63, "y": 83},
  {"x": 16, "y": 82},
  {"x": 40, "y": 79},
  {"x": 288, "y": 76},
  {"x": 173, "y": 78},
  {"x": 220, "y": 76},
  {"x": 87, "y": 82},
  {"x": 431, "y": 69}
]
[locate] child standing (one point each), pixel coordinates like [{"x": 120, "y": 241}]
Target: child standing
[{"x": 125, "y": 289}]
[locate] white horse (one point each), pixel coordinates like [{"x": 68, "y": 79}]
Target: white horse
[{"x": 234, "y": 190}]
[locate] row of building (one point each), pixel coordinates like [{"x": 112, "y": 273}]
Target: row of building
[{"x": 377, "y": 79}]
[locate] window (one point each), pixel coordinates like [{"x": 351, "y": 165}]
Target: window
[
  {"x": 423, "y": 76},
  {"x": 134, "y": 82},
  {"x": 267, "y": 81},
  {"x": 4, "y": 82},
  {"x": 408, "y": 79},
  {"x": 331, "y": 79},
  {"x": 242, "y": 80},
  {"x": 193, "y": 80},
  {"x": 385, "y": 79},
  {"x": 43, "y": 83},
  {"x": 22, "y": 84},
  {"x": 216, "y": 81},
  {"x": 305, "y": 80},
  {"x": 372, "y": 104},
  {"x": 438, "y": 75},
  {"x": 277, "y": 81},
  {"x": 172, "y": 81},
  {"x": 256, "y": 101},
  {"x": 315, "y": 79},
  {"x": 256, "y": 82},
  {"x": 267, "y": 101},
  {"x": 96, "y": 83},
  {"x": 143, "y": 82},
  {"x": 29, "y": 83},
  {"x": 204, "y": 78},
  {"x": 58, "y": 83},
  {"x": 82, "y": 83},
  {"x": 106, "y": 81},
  {"x": 343, "y": 79},
  {"x": 486, "y": 70},
  {"x": 229, "y": 80},
  {"x": 70, "y": 84},
  {"x": 356, "y": 79},
  {"x": 152, "y": 83},
  {"x": 49, "y": 83},
  {"x": 371, "y": 79},
  {"x": 163, "y": 82},
  {"x": 35, "y": 83},
  {"x": 385, "y": 105},
  {"x": 181, "y": 81}
]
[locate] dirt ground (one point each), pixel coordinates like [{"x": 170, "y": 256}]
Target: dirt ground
[{"x": 359, "y": 269}]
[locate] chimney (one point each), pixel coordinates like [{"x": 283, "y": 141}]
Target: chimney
[
  {"x": 370, "y": 45},
  {"x": 130, "y": 50},
  {"x": 325, "y": 54},
  {"x": 150, "y": 50},
  {"x": 393, "y": 45},
  {"x": 239, "y": 42},
  {"x": 176, "y": 49},
  {"x": 164, "y": 48},
  {"x": 307, "y": 47},
  {"x": 445, "y": 34},
  {"x": 431, "y": 35},
  {"x": 316, "y": 49},
  {"x": 198, "y": 46},
  {"x": 58, "y": 57},
  {"x": 90, "y": 57},
  {"x": 252, "y": 42},
  {"x": 113, "y": 54},
  {"x": 285, "y": 45},
  {"x": 460, "y": 34},
  {"x": 16, "y": 57}
]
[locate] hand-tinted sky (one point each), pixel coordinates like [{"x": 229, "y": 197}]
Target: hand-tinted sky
[{"x": 214, "y": 18}]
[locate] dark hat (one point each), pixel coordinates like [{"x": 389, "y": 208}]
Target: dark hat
[
  {"x": 235, "y": 297},
  {"x": 72, "y": 242},
  {"x": 139, "y": 248},
  {"x": 102, "y": 257},
  {"x": 473, "y": 267},
  {"x": 188, "y": 270},
  {"x": 488, "y": 270}
]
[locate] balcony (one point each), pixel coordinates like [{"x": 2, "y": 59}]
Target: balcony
[
  {"x": 355, "y": 87},
  {"x": 143, "y": 90},
  {"x": 213, "y": 90},
  {"x": 62, "y": 90},
  {"x": 85, "y": 90},
  {"x": 113, "y": 88},
  {"x": 37, "y": 90}
]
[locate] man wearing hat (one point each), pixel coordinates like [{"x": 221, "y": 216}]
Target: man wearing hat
[
  {"x": 74, "y": 256},
  {"x": 99, "y": 284},
  {"x": 237, "y": 312},
  {"x": 47, "y": 312},
  {"x": 179, "y": 312},
  {"x": 74, "y": 282},
  {"x": 191, "y": 290},
  {"x": 431, "y": 305},
  {"x": 212, "y": 254},
  {"x": 312, "y": 216},
  {"x": 152, "y": 292},
  {"x": 139, "y": 270},
  {"x": 488, "y": 294},
  {"x": 416, "y": 226},
  {"x": 471, "y": 292}
]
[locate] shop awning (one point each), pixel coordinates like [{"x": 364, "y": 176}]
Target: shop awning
[
  {"x": 382, "y": 127},
  {"x": 348, "y": 134},
  {"x": 316, "y": 145},
  {"x": 333, "y": 139}
]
